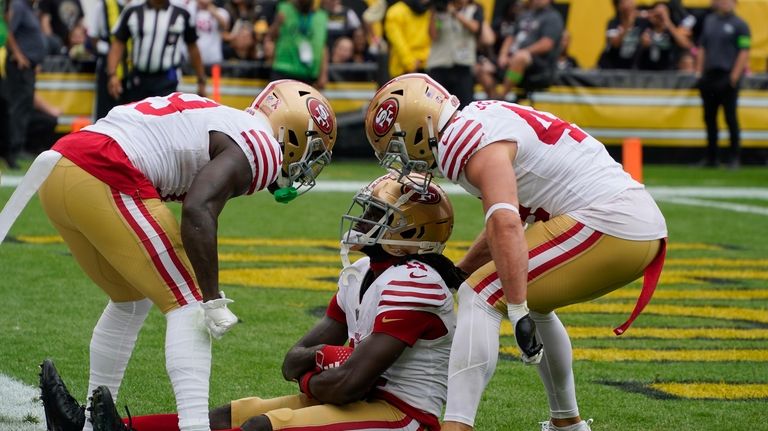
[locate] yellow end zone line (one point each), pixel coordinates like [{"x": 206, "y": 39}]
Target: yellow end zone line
[
  {"x": 724, "y": 391},
  {"x": 277, "y": 242},
  {"x": 650, "y": 355},
  {"x": 726, "y": 313},
  {"x": 594, "y": 332}
]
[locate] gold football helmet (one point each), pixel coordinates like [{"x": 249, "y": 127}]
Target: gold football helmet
[
  {"x": 304, "y": 124},
  {"x": 398, "y": 218},
  {"x": 403, "y": 123}
]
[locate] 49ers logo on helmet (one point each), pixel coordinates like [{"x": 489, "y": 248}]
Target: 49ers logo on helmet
[
  {"x": 431, "y": 197},
  {"x": 385, "y": 117},
  {"x": 320, "y": 114}
]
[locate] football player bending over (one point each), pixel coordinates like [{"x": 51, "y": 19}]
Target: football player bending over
[
  {"x": 591, "y": 229},
  {"x": 104, "y": 187},
  {"x": 394, "y": 312}
]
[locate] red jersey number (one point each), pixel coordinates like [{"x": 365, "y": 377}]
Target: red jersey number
[
  {"x": 175, "y": 104},
  {"x": 549, "y": 129}
]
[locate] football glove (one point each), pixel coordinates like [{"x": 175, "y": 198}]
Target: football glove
[
  {"x": 525, "y": 333},
  {"x": 218, "y": 318},
  {"x": 332, "y": 356}
]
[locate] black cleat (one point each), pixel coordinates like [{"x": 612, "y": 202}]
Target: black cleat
[
  {"x": 104, "y": 415},
  {"x": 62, "y": 411}
]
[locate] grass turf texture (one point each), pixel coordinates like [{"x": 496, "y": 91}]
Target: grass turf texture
[{"x": 51, "y": 308}]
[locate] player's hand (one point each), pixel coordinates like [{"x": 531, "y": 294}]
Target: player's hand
[
  {"x": 218, "y": 318},
  {"x": 115, "y": 87},
  {"x": 525, "y": 333},
  {"x": 332, "y": 356},
  {"x": 201, "y": 88},
  {"x": 21, "y": 60}
]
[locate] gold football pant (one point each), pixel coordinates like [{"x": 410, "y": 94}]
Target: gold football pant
[
  {"x": 297, "y": 412},
  {"x": 569, "y": 263},
  {"x": 129, "y": 247}
]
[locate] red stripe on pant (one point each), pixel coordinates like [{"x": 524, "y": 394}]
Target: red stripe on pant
[{"x": 153, "y": 252}]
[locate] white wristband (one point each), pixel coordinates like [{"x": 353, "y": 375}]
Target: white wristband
[{"x": 500, "y": 206}]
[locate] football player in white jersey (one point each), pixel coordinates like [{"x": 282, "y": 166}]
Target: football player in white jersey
[
  {"x": 103, "y": 189},
  {"x": 378, "y": 359},
  {"x": 590, "y": 229}
]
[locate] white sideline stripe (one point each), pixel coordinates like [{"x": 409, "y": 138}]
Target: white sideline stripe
[
  {"x": 17, "y": 402},
  {"x": 693, "y": 196}
]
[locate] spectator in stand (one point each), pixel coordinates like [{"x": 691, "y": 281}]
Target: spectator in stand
[
  {"x": 343, "y": 51},
  {"x": 662, "y": 42},
  {"x": 77, "y": 48},
  {"x": 58, "y": 18},
  {"x": 26, "y": 43},
  {"x": 342, "y": 21},
  {"x": 265, "y": 47},
  {"x": 249, "y": 19},
  {"x": 406, "y": 27},
  {"x": 686, "y": 63},
  {"x": 487, "y": 72},
  {"x": 454, "y": 26},
  {"x": 623, "y": 37},
  {"x": 300, "y": 38},
  {"x": 722, "y": 61},
  {"x": 528, "y": 58},
  {"x": 361, "y": 52},
  {"x": 210, "y": 22},
  {"x": 99, "y": 25},
  {"x": 565, "y": 61},
  {"x": 155, "y": 66}
]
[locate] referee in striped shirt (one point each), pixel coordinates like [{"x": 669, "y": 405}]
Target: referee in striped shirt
[{"x": 157, "y": 29}]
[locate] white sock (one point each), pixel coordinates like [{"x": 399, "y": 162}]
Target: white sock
[
  {"x": 112, "y": 343},
  {"x": 188, "y": 361},
  {"x": 555, "y": 369},
  {"x": 474, "y": 353}
]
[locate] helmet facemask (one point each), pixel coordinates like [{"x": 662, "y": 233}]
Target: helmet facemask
[
  {"x": 397, "y": 160},
  {"x": 383, "y": 223},
  {"x": 301, "y": 175}
]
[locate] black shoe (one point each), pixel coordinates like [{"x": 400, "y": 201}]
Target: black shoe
[
  {"x": 62, "y": 411},
  {"x": 104, "y": 415}
]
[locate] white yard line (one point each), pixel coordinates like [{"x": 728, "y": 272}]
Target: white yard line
[
  {"x": 20, "y": 406},
  {"x": 692, "y": 196}
]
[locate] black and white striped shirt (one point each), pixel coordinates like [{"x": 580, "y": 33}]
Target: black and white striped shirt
[{"x": 157, "y": 35}]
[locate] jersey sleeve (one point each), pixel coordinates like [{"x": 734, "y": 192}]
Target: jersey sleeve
[
  {"x": 411, "y": 300},
  {"x": 552, "y": 27},
  {"x": 409, "y": 326},
  {"x": 121, "y": 30},
  {"x": 190, "y": 31},
  {"x": 261, "y": 149},
  {"x": 335, "y": 312},
  {"x": 461, "y": 139}
]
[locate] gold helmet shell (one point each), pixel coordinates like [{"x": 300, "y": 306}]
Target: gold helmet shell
[
  {"x": 398, "y": 218},
  {"x": 304, "y": 124},
  {"x": 404, "y": 119}
]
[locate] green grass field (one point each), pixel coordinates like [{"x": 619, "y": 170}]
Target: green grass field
[{"x": 696, "y": 360}]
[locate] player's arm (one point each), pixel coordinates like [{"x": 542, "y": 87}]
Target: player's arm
[
  {"x": 478, "y": 254},
  {"x": 301, "y": 357},
  {"x": 491, "y": 171},
  {"x": 227, "y": 175},
  {"x": 357, "y": 376}
]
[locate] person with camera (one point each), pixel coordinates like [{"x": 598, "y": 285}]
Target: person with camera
[{"x": 453, "y": 27}]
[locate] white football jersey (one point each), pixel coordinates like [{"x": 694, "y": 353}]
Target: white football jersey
[
  {"x": 560, "y": 169},
  {"x": 419, "y": 377},
  {"x": 166, "y": 138}
]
